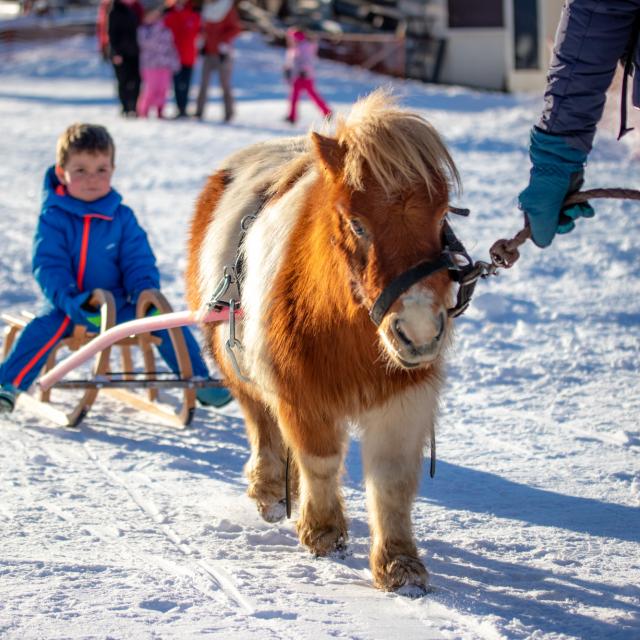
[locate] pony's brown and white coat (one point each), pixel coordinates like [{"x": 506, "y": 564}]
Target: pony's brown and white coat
[{"x": 337, "y": 219}]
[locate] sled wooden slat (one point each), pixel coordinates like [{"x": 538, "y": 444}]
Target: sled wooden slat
[
  {"x": 147, "y": 301},
  {"x": 14, "y": 321},
  {"x": 14, "y": 326},
  {"x": 51, "y": 413},
  {"x": 138, "y": 402}
]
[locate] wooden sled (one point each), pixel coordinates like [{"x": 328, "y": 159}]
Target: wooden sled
[{"x": 117, "y": 385}]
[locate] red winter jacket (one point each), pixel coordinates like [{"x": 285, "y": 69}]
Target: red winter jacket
[
  {"x": 221, "y": 31},
  {"x": 102, "y": 30},
  {"x": 184, "y": 23}
]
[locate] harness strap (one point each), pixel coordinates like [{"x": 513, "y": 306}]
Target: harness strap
[{"x": 245, "y": 223}]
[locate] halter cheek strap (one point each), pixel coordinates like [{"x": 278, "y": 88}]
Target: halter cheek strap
[{"x": 446, "y": 260}]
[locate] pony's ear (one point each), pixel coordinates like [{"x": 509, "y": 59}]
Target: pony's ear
[{"x": 330, "y": 152}]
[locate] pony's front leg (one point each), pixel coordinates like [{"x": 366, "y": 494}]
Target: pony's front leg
[
  {"x": 393, "y": 437},
  {"x": 265, "y": 469},
  {"x": 319, "y": 452}
]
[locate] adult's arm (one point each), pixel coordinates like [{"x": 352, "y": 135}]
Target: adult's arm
[{"x": 592, "y": 37}]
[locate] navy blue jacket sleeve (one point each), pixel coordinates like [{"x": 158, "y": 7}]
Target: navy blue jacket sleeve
[
  {"x": 138, "y": 264},
  {"x": 52, "y": 265},
  {"x": 592, "y": 37}
]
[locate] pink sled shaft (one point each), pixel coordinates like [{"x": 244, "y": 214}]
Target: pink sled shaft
[{"x": 124, "y": 330}]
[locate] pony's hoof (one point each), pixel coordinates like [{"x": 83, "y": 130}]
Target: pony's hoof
[
  {"x": 273, "y": 512},
  {"x": 403, "y": 574},
  {"x": 322, "y": 542},
  {"x": 413, "y": 591}
]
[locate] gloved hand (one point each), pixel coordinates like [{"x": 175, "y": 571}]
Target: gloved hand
[
  {"x": 93, "y": 318},
  {"x": 556, "y": 172},
  {"x": 287, "y": 74},
  {"x": 81, "y": 312},
  {"x": 73, "y": 307}
]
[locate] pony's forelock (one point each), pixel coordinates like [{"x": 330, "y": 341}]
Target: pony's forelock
[{"x": 399, "y": 147}]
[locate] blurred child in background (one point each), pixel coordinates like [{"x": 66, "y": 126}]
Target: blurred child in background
[
  {"x": 300, "y": 59},
  {"x": 184, "y": 22},
  {"x": 158, "y": 59}
]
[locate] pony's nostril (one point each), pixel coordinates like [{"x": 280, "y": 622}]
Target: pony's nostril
[{"x": 400, "y": 334}]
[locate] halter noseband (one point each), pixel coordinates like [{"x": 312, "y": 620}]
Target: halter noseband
[{"x": 454, "y": 258}]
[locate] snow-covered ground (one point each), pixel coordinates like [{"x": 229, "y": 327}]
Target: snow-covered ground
[{"x": 127, "y": 528}]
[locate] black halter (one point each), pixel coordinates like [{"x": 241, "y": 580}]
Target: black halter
[{"x": 454, "y": 258}]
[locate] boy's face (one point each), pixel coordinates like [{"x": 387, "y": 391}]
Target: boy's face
[{"x": 87, "y": 176}]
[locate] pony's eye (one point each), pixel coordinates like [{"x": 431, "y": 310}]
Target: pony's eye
[{"x": 357, "y": 227}]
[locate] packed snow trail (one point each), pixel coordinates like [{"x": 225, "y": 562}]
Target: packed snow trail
[{"x": 127, "y": 528}]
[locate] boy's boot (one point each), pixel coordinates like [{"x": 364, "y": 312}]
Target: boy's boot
[
  {"x": 214, "y": 396},
  {"x": 8, "y": 395}
]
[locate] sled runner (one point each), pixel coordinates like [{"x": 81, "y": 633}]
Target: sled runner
[{"x": 124, "y": 385}]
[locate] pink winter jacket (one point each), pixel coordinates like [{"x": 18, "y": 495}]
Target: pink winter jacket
[
  {"x": 157, "y": 47},
  {"x": 301, "y": 55}
]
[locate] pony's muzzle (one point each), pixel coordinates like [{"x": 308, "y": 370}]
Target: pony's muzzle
[{"x": 415, "y": 336}]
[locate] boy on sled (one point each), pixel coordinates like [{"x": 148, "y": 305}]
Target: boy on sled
[{"x": 87, "y": 239}]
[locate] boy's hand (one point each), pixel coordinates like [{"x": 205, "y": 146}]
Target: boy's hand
[
  {"x": 92, "y": 316},
  {"x": 94, "y": 319}
]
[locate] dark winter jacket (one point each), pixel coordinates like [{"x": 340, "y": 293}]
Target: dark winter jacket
[
  {"x": 80, "y": 246},
  {"x": 592, "y": 37},
  {"x": 123, "y": 24}
]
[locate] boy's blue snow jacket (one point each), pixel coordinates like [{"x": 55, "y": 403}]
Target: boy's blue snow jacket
[
  {"x": 80, "y": 246},
  {"x": 592, "y": 37}
]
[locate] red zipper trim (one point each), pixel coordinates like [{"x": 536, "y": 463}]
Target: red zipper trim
[{"x": 85, "y": 246}]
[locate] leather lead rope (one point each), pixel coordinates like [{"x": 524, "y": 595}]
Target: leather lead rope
[{"x": 504, "y": 253}]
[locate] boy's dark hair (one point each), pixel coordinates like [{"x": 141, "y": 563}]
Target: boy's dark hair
[{"x": 92, "y": 138}]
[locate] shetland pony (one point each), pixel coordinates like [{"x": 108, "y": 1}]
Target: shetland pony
[{"x": 332, "y": 220}]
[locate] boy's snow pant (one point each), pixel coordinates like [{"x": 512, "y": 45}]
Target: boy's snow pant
[{"x": 35, "y": 342}]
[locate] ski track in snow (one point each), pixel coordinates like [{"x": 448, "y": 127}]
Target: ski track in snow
[{"x": 531, "y": 529}]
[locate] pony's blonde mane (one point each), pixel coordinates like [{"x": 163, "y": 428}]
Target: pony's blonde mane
[{"x": 399, "y": 147}]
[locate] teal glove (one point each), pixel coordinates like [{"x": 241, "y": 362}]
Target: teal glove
[{"x": 556, "y": 172}]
